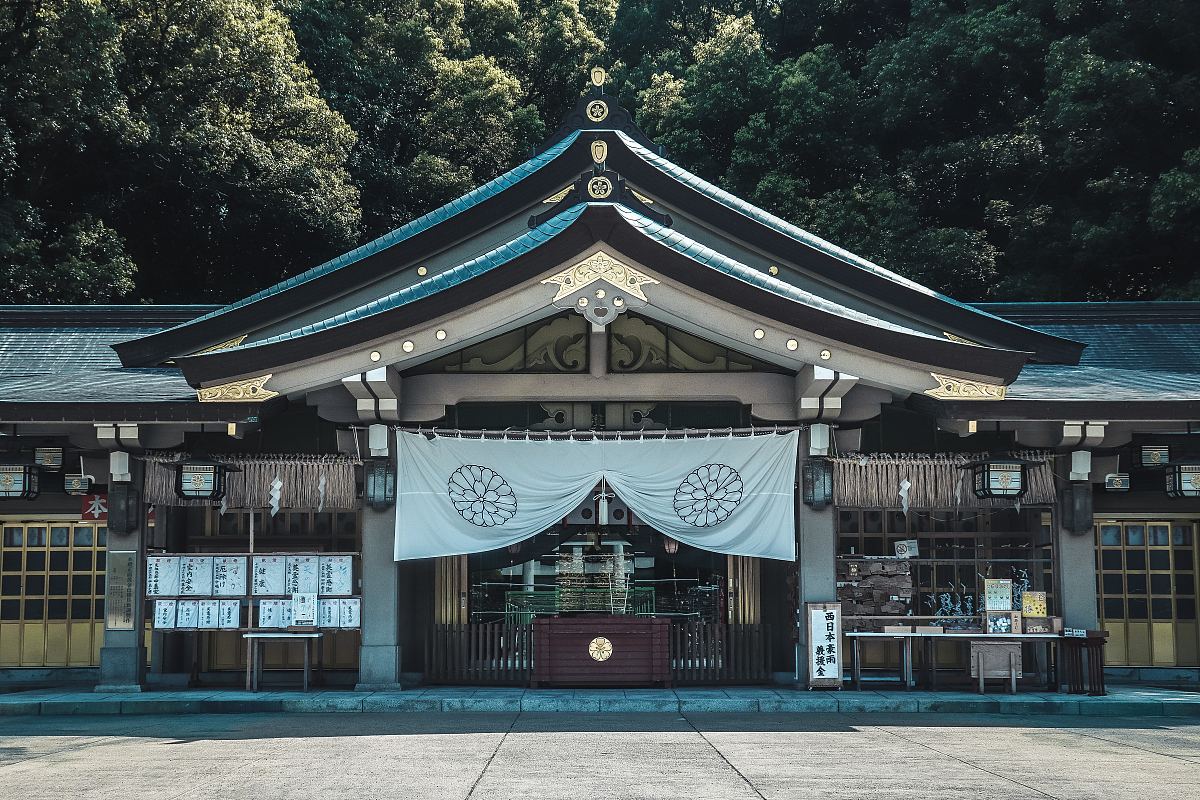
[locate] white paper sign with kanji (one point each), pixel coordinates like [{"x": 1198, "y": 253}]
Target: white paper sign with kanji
[
  {"x": 209, "y": 612},
  {"x": 824, "y": 645},
  {"x": 301, "y": 575},
  {"x": 336, "y": 576},
  {"x": 164, "y": 614},
  {"x": 231, "y": 614},
  {"x": 229, "y": 576},
  {"x": 268, "y": 575},
  {"x": 162, "y": 576},
  {"x": 195, "y": 576}
]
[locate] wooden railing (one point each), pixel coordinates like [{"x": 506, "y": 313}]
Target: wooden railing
[
  {"x": 480, "y": 654},
  {"x": 496, "y": 654},
  {"x": 718, "y": 653}
]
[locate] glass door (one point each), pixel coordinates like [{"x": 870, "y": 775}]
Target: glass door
[{"x": 1147, "y": 592}]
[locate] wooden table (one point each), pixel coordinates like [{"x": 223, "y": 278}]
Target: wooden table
[
  {"x": 254, "y": 665},
  {"x": 905, "y": 640}
]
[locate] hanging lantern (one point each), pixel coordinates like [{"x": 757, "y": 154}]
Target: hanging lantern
[
  {"x": 48, "y": 458},
  {"x": 200, "y": 480},
  {"x": 1116, "y": 482},
  {"x": 670, "y": 545},
  {"x": 18, "y": 482},
  {"x": 77, "y": 484},
  {"x": 1154, "y": 455},
  {"x": 380, "y": 483},
  {"x": 817, "y": 480},
  {"x": 1183, "y": 480},
  {"x": 998, "y": 478}
]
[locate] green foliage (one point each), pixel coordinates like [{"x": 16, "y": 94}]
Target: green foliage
[{"x": 194, "y": 150}]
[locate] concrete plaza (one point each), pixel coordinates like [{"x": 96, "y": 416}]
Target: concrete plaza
[{"x": 447, "y": 756}]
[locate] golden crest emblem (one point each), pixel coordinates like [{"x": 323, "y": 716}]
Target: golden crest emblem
[
  {"x": 600, "y": 188},
  {"x": 597, "y": 111},
  {"x": 598, "y": 76},
  {"x": 600, "y": 649},
  {"x": 599, "y": 151}
]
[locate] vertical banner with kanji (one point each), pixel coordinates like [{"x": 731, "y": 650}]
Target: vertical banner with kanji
[{"x": 824, "y": 645}]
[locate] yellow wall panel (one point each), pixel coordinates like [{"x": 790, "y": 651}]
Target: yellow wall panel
[
  {"x": 33, "y": 645},
  {"x": 10, "y": 644},
  {"x": 1137, "y": 647},
  {"x": 56, "y": 644},
  {"x": 1162, "y": 643},
  {"x": 1187, "y": 644},
  {"x": 1114, "y": 649},
  {"x": 79, "y": 652},
  {"x": 97, "y": 641}
]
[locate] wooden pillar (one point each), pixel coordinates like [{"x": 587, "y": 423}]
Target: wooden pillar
[
  {"x": 450, "y": 587},
  {"x": 744, "y": 592}
]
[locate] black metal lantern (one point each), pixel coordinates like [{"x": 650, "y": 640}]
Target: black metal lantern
[
  {"x": 999, "y": 477},
  {"x": 1154, "y": 455},
  {"x": 18, "y": 482},
  {"x": 817, "y": 483},
  {"x": 77, "y": 484},
  {"x": 1183, "y": 479},
  {"x": 200, "y": 479},
  {"x": 48, "y": 458},
  {"x": 380, "y": 488}
]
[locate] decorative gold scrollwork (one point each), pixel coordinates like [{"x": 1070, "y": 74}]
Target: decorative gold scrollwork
[
  {"x": 225, "y": 345},
  {"x": 559, "y": 195},
  {"x": 251, "y": 390},
  {"x": 953, "y": 388},
  {"x": 600, "y": 266}
]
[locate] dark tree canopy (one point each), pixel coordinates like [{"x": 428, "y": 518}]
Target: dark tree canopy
[{"x": 191, "y": 151}]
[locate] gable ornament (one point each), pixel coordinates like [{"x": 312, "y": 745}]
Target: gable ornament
[
  {"x": 599, "y": 287},
  {"x": 251, "y": 390},
  {"x": 951, "y": 387}
]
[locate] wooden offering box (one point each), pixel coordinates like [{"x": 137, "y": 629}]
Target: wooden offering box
[{"x": 601, "y": 651}]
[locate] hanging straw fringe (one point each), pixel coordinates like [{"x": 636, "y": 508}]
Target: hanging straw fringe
[
  {"x": 300, "y": 475},
  {"x": 938, "y": 480}
]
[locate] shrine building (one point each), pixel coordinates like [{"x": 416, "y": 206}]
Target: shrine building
[{"x": 597, "y": 422}]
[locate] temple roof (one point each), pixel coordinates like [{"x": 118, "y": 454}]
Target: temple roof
[{"x": 625, "y": 155}]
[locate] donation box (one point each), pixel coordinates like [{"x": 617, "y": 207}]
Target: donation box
[{"x": 601, "y": 651}]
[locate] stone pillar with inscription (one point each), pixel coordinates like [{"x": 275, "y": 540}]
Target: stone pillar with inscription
[
  {"x": 379, "y": 656},
  {"x": 123, "y": 654}
]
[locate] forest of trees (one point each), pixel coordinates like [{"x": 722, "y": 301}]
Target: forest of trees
[{"x": 197, "y": 150}]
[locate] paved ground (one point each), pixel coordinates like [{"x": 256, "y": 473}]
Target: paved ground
[
  {"x": 1121, "y": 701},
  {"x": 612, "y": 756}
]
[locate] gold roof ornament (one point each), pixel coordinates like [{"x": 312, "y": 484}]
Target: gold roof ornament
[
  {"x": 599, "y": 151},
  {"x": 642, "y": 197},
  {"x": 955, "y": 338},
  {"x": 597, "y": 111},
  {"x": 599, "y": 188},
  {"x": 250, "y": 390},
  {"x": 599, "y": 77},
  {"x": 559, "y": 195},
  {"x": 225, "y": 345},
  {"x": 951, "y": 387},
  {"x": 597, "y": 267}
]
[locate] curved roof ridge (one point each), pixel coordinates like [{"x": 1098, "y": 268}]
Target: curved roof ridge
[
  {"x": 702, "y": 254},
  {"x": 435, "y": 283},
  {"x": 735, "y": 203},
  {"x": 408, "y": 229}
]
